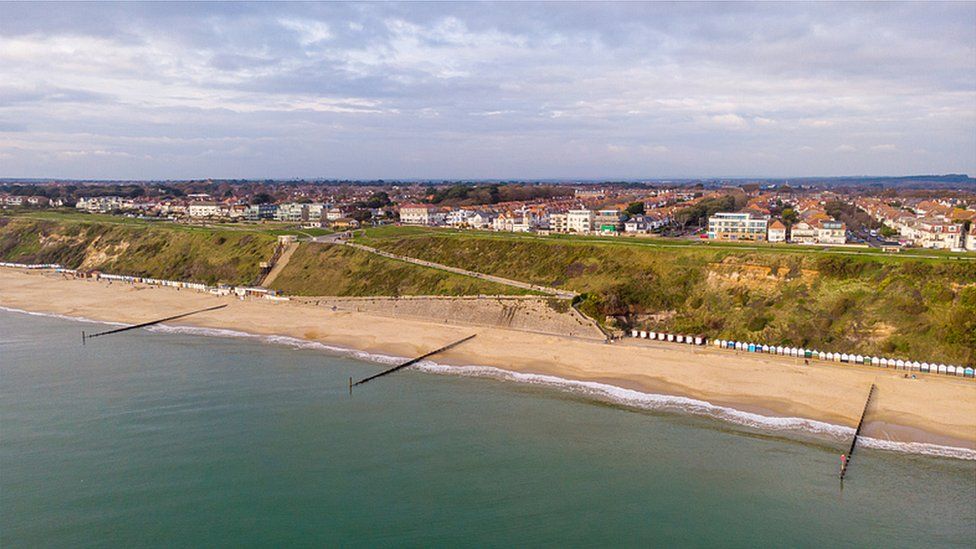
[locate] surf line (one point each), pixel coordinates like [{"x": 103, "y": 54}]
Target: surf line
[
  {"x": 409, "y": 362},
  {"x": 846, "y": 460},
  {"x": 85, "y": 337}
]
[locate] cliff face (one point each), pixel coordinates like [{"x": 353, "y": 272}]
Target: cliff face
[
  {"x": 892, "y": 306},
  {"x": 165, "y": 251}
]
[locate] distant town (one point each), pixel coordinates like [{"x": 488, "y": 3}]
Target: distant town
[{"x": 889, "y": 218}]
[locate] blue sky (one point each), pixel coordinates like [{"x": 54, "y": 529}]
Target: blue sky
[{"x": 445, "y": 90}]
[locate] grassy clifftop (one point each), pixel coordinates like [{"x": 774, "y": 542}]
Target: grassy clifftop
[
  {"x": 920, "y": 308},
  {"x": 336, "y": 270},
  {"x": 161, "y": 251}
]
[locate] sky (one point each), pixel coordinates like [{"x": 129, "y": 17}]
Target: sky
[{"x": 486, "y": 91}]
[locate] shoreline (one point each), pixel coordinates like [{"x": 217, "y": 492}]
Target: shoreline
[{"x": 926, "y": 413}]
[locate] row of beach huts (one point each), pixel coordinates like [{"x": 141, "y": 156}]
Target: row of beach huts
[
  {"x": 221, "y": 290},
  {"x": 797, "y": 352}
]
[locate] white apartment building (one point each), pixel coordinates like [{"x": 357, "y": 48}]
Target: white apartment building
[
  {"x": 559, "y": 222},
  {"x": 803, "y": 233},
  {"x": 417, "y": 214},
  {"x": 292, "y": 211},
  {"x": 736, "y": 226},
  {"x": 579, "y": 221},
  {"x": 937, "y": 234},
  {"x": 831, "y": 232},
  {"x": 104, "y": 204},
  {"x": 203, "y": 209}
]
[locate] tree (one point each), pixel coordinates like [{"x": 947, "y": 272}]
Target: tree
[
  {"x": 261, "y": 198},
  {"x": 635, "y": 208},
  {"x": 790, "y": 216}
]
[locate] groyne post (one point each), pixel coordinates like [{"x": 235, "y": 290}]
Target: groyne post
[
  {"x": 410, "y": 362},
  {"x": 145, "y": 324},
  {"x": 850, "y": 453}
]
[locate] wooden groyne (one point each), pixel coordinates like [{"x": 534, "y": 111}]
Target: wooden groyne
[
  {"x": 85, "y": 337},
  {"x": 411, "y": 362},
  {"x": 857, "y": 432}
]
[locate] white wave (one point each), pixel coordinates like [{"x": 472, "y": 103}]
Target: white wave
[
  {"x": 593, "y": 389},
  {"x": 60, "y": 316},
  {"x": 924, "y": 448},
  {"x": 653, "y": 401}
]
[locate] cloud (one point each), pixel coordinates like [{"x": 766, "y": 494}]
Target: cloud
[
  {"x": 471, "y": 90},
  {"x": 887, "y": 147}
]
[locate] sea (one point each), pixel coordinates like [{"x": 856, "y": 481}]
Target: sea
[{"x": 172, "y": 436}]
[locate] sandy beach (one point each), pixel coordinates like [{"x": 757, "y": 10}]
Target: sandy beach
[{"x": 932, "y": 409}]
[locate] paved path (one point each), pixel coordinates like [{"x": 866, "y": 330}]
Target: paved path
[
  {"x": 279, "y": 264},
  {"x": 492, "y": 278}
]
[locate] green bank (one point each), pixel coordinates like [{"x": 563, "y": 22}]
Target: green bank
[{"x": 918, "y": 307}]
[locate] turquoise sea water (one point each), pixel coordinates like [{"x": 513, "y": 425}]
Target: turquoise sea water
[{"x": 161, "y": 439}]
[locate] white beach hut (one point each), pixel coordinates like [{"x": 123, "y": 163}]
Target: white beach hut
[
  {"x": 875, "y": 361},
  {"x": 700, "y": 340},
  {"x": 670, "y": 337},
  {"x": 951, "y": 370},
  {"x": 925, "y": 367},
  {"x": 830, "y": 356},
  {"x": 900, "y": 364},
  {"x": 836, "y": 357},
  {"x": 679, "y": 338},
  {"x": 960, "y": 371},
  {"x": 822, "y": 355},
  {"x": 720, "y": 343},
  {"x": 634, "y": 333},
  {"x": 859, "y": 359},
  {"x": 794, "y": 351},
  {"x": 765, "y": 348},
  {"x": 916, "y": 366},
  {"x": 943, "y": 369},
  {"x": 884, "y": 362}
]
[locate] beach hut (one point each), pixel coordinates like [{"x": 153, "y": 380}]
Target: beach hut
[
  {"x": 679, "y": 338},
  {"x": 942, "y": 369},
  {"x": 844, "y": 357},
  {"x": 925, "y": 367},
  {"x": 752, "y": 348},
  {"x": 951, "y": 370},
  {"x": 777, "y": 350},
  {"x": 720, "y": 343},
  {"x": 916, "y": 366},
  {"x": 969, "y": 372},
  {"x": 795, "y": 351},
  {"x": 690, "y": 340},
  {"x": 765, "y": 348},
  {"x": 836, "y": 357},
  {"x": 808, "y": 353},
  {"x": 730, "y": 345},
  {"x": 822, "y": 355},
  {"x": 699, "y": 340},
  {"x": 875, "y": 361},
  {"x": 830, "y": 356},
  {"x": 738, "y": 345},
  {"x": 884, "y": 362},
  {"x": 859, "y": 359},
  {"x": 900, "y": 364},
  {"x": 670, "y": 337},
  {"x": 634, "y": 333}
]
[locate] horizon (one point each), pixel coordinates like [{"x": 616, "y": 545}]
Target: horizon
[{"x": 142, "y": 91}]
